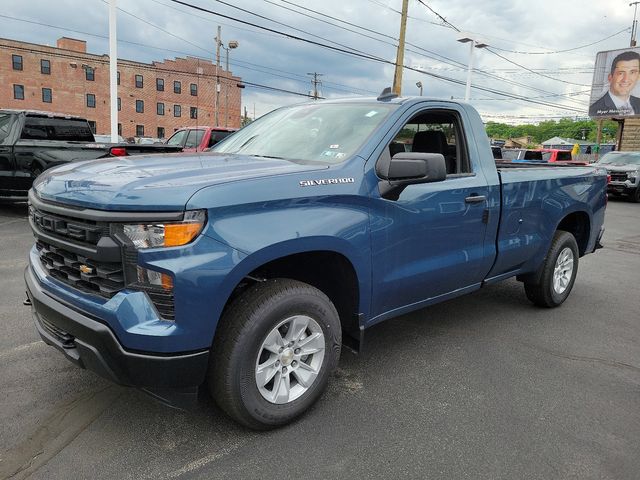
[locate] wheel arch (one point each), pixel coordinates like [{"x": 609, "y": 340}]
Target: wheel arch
[
  {"x": 578, "y": 223},
  {"x": 337, "y": 271}
]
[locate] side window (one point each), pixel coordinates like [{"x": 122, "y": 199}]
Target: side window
[
  {"x": 194, "y": 138},
  {"x": 178, "y": 138},
  {"x": 435, "y": 131},
  {"x": 564, "y": 156}
]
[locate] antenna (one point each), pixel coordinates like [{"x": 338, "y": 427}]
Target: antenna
[{"x": 386, "y": 95}]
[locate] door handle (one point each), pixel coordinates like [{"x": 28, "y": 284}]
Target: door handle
[{"x": 475, "y": 199}]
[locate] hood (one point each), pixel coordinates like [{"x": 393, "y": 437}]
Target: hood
[
  {"x": 153, "y": 182},
  {"x": 621, "y": 167}
]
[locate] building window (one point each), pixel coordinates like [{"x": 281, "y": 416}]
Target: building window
[
  {"x": 139, "y": 81},
  {"x": 177, "y": 110},
  {"x": 119, "y": 104},
  {"x": 90, "y": 73},
  {"x": 139, "y": 106},
  {"x": 139, "y": 130},
  {"x": 93, "y": 126},
  {"x": 91, "y": 100},
  {"x": 177, "y": 87},
  {"x": 160, "y": 84},
  {"x": 46, "y": 95},
  {"x": 193, "y": 112},
  {"x": 194, "y": 89},
  {"x": 17, "y": 62},
  {"x": 160, "y": 108},
  {"x": 118, "y": 78},
  {"x": 45, "y": 67},
  {"x": 160, "y": 132},
  {"x": 119, "y": 129},
  {"x": 18, "y": 92}
]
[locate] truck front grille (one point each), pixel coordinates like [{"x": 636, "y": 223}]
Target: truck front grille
[
  {"x": 75, "y": 229},
  {"x": 100, "y": 278},
  {"x": 618, "y": 177}
]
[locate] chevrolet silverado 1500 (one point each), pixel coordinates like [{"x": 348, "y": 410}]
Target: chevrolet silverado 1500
[{"x": 251, "y": 266}]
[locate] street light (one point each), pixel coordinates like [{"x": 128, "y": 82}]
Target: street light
[
  {"x": 230, "y": 46},
  {"x": 466, "y": 38},
  {"x": 419, "y": 85}
]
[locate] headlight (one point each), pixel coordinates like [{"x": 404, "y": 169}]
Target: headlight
[
  {"x": 167, "y": 234},
  {"x": 632, "y": 176}
]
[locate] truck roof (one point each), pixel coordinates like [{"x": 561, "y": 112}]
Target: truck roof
[{"x": 40, "y": 113}]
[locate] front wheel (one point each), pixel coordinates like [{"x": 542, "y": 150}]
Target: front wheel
[
  {"x": 635, "y": 195},
  {"x": 273, "y": 353},
  {"x": 557, "y": 274}
]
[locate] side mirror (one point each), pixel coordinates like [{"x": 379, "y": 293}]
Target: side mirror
[{"x": 409, "y": 168}]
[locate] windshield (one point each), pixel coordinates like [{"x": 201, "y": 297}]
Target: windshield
[
  {"x": 327, "y": 133},
  {"x": 631, "y": 158}
]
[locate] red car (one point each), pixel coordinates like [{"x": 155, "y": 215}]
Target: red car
[{"x": 198, "y": 139}]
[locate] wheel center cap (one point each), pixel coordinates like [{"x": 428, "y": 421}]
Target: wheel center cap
[{"x": 287, "y": 357}]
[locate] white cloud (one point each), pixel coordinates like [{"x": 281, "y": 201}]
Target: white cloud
[{"x": 269, "y": 59}]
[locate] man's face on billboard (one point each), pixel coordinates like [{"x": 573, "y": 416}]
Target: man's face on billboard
[{"x": 624, "y": 77}]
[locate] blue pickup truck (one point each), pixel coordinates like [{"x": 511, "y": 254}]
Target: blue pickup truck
[{"x": 246, "y": 269}]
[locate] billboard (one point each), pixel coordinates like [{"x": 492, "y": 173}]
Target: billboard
[{"x": 615, "y": 91}]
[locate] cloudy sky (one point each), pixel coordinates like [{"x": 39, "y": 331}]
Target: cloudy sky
[{"x": 519, "y": 34}]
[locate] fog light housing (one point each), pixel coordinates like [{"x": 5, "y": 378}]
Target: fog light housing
[{"x": 153, "y": 278}]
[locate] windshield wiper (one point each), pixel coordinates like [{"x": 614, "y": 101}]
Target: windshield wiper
[{"x": 269, "y": 156}]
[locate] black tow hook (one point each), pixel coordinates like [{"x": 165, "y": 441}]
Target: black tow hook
[{"x": 27, "y": 302}]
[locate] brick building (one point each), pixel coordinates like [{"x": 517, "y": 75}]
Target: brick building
[{"x": 154, "y": 98}]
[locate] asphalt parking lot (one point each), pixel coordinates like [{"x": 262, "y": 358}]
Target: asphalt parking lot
[{"x": 482, "y": 387}]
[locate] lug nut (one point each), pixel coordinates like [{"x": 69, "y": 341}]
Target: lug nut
[
  {"x": 277, "y": 363},
  {"x": 294, "y": 363},
  {"x": 297, "y": 351},
  {"x": 281, "y": 350},
  {"x": 290, "y": 344},
  {"x": 284, "y": 369}
]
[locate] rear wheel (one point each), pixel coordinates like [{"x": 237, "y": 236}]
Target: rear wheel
[
  {"x": 557, "y": 274},
  {"x": 274, "y": 351},
  {"x": 635, "y": 195}
]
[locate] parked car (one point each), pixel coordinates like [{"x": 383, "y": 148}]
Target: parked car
[
  {"x": 250, "y": 266},
  {"x": 148, "y": 140},
  {"x": 624, "y": 168},
  {"x": 510, "y": 154},
  {"x": 545, "y": 155},
  {"x": 107, "y": 138},
  {"x": 198, "y": 139},
  {"x": 33, "y": 141}
]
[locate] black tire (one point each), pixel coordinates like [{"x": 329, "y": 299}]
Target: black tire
[
  {"x": 239, "y": 342},
  {"x": 635, "y": 196},
  {"x": 541, "y": 291}
]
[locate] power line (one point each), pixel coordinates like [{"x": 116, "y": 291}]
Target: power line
[
  {"x": 364, "y": 55},
  {"x": 142, "y": 66},
  {"x": 429, "y": 53},
  {"x": 534, "y": 72},
  {"x": 626, "y": 29},
  {"x": 504, "y": 58}
]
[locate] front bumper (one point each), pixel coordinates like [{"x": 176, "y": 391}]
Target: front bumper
[
  {"x": 90, "y": 344},
  {"x": 622, "y": 187}
]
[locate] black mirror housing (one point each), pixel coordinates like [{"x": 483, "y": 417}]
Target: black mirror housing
[{"x": 408, "y": 168}]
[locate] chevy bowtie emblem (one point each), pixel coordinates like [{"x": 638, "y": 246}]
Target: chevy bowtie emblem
[{"x": 86, "y": 269}]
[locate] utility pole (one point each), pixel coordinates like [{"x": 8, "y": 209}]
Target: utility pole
[
  {"x": 634, "y": 25},
  {"x": 315, "y": 82},
  {"x": 113, "y": 71},
  {"x": 397, "y": 77},
  {"x": 218, "y": 43}
]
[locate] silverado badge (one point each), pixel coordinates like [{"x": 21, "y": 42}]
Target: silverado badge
[{"x": 326, "y": 181}]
